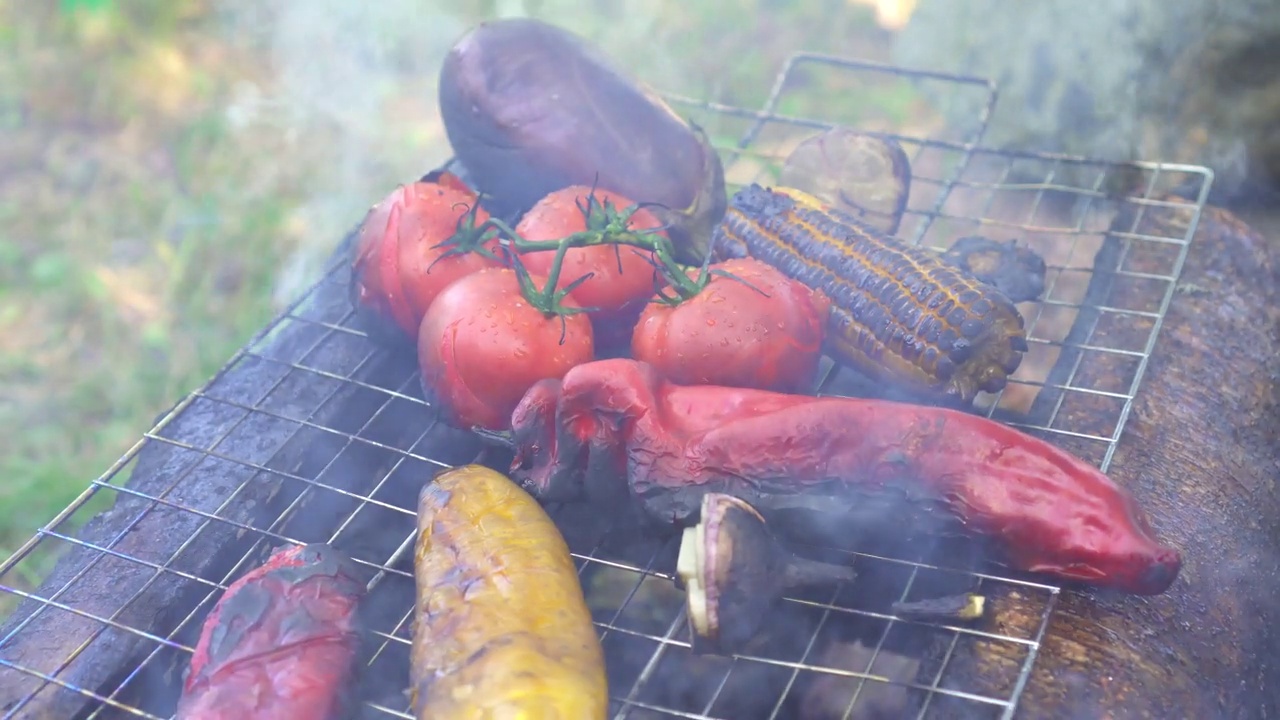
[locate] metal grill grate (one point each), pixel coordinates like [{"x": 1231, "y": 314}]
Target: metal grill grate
[{"x": 314, "y": 433}]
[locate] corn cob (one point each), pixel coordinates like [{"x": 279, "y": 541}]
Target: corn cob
[{"x": 900, "y": 313}]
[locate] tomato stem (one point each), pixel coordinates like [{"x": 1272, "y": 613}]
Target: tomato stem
[
  {"x": 607, "y": 225},
  {"x": 468, "y": 237},
  {"x": 547, "y": 300}
]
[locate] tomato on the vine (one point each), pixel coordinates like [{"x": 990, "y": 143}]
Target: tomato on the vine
[
  {"x": 449, "y": 180},
  {"x": 484, "y": 342},
  {"x": 622, "y": 277},
  {"x": 416, "y": 242},
  {"x": 749, "y": 326}
]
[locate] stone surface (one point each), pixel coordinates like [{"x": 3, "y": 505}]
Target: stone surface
[{"x": 1195, "y": 81}]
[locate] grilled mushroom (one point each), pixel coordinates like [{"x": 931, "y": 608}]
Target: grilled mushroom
[
  {"x": 1018, "y": 272},
  {"x": 733, "y": 571},
  {"x": 861, "y": 174}
]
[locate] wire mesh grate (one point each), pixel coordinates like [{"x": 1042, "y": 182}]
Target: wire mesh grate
[{"x": 315, "y": 433}]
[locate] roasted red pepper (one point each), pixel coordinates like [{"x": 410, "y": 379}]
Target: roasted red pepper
[
  {"x": 280, "y": 643},
  {"x": 613, "y": 429}
]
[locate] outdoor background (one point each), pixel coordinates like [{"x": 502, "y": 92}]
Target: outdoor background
[{"x": 173, "y": 171}]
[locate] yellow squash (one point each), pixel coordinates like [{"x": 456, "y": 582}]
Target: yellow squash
[{"x": 501, "y": 627}]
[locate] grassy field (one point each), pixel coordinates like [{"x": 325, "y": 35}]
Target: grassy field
[{"x": 172, "y": 171}]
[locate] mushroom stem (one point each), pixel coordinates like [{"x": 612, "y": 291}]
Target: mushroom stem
[{"x": 733, "y": 571}]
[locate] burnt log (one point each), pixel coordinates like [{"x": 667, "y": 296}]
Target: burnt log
[
  {"x": 1199, "y": 451},
  {"x": 250, "y": 445}
]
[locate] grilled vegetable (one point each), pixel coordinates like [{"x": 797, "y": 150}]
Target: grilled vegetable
[
  {"x": 733, "y": 571},
  {"x": 749, "y": 326},
  {"x": 866, "y": 176},
  {"x": 489, "y": 336},
  {"x": 280, "y": 643},
  {"x": 616, "y": 427},
  {"x": 1018, "y": 272},
  {"x": 531, "y": 108},
  {"x": 968, "y": 606},
  {"x": 621, "y": 278},
  {"x": 501, "y": 626},
  {"x": 900, "y": 314},
  {"x": 413, "y": 244}
]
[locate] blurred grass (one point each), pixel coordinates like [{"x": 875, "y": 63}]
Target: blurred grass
[{"x": 172, "y": 171}]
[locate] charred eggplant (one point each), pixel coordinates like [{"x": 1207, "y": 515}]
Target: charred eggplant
[
  {"x": 531, "y": 108},
  {"x": 733, "y": 571}
]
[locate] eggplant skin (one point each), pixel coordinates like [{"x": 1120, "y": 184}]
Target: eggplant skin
[
  {"x": 501, "y": 627},
  {"x": 530, "y": 108}
]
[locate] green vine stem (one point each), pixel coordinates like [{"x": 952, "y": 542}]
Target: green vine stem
[
  {"x": 468, "y": 236},
  {"x": 607, "y": 225}
]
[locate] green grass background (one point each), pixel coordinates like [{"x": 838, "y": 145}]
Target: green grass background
[{"x": 173, "y": 171}]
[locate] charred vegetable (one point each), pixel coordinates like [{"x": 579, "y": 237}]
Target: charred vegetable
[
  {"x": 863, "y": 175},
  {"x": 531, "y": 108},
  {"x": 501, "y": 626},
  {"x": 1018, "y": 272},
  {"x": 617, "y": 428},
  {"x": 748, "y": 326},
  {"x": 413, "y": 244},
  {"x": 618, "y": 280},
  {"x": 280, "y": 643},
  {"x": 733, "y": 571},
  {"x": 900, "y": 313},
  {"x": 741, "y": 322},
  {"x": 489, "y": 336},
  {"x": 968, "y": 606}
]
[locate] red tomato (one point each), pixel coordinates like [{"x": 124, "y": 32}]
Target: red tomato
[
  {"x": 482, "y": 345},
  {"x": 401, "y": 262},
  {"x": 448, "y": 179},
  {"x": 375, "y": 273},
  {"x": 732, "y": 334},
  {"x": 623, "y": 279}
]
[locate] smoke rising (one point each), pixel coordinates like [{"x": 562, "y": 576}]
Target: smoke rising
[{"x": 350, "y": 95}]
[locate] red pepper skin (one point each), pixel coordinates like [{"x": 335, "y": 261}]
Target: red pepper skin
[
  {"x": 281, "y": 642},
  {"x": 614, "y": 422}
]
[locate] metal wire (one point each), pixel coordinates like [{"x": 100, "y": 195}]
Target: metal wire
[{"x": 958, "y": 188}]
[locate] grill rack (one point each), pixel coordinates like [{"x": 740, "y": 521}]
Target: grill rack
[{"x": 959, "y": 188}]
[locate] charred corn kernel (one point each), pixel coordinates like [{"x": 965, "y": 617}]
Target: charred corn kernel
[{"x": 900, "y": 313}]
